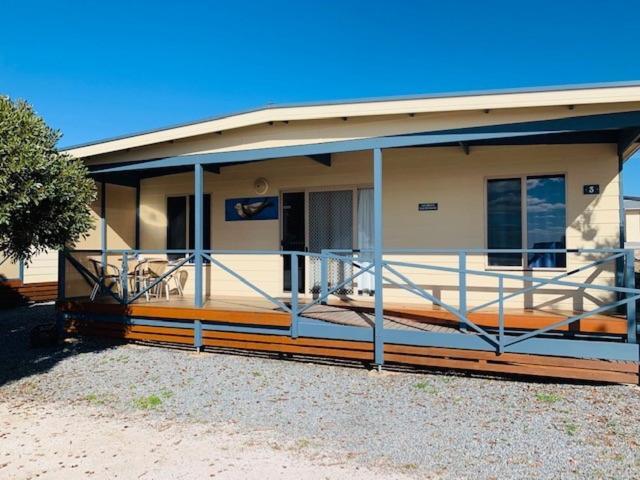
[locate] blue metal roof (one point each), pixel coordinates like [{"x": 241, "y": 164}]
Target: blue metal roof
[{"x": 635, "y": 83}]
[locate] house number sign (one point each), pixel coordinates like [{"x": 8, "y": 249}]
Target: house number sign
[{"x": 591, "y": 189}]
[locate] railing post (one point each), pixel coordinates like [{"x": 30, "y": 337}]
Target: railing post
[
  {"x": 294, "y": 295},
  {"x": 630, "y": 282},
  {"x": 324, "y": 278},
  {"x": 198, "y": 232},
  {"x": 197, "y": 335},
  {"x": 500, "y": 314},
  {"x": 462, "y": 288},
  {"x": 378, "y": 338},
  {"x": 124, "y": 278}
]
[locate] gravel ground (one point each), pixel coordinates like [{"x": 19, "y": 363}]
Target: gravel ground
[{"x": 427, "y": 425}]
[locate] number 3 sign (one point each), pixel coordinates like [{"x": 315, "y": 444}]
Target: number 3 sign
[{"x": 591, "y": 189}]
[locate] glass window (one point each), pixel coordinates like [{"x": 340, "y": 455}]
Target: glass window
[
  {"x": 546, "y": 220},
  {"x": 545, "y": 207},
  {"x": 181, "y": 223},
  {"x": 504, "y": 217},
  {"x": 176, "y": 225}
]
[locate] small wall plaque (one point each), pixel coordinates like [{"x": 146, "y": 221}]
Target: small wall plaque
[
  {"x": 591, "y": 189},
  {"x": 427, "y": 207}
]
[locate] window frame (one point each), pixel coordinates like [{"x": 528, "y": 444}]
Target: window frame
[
  {"x": 523, "y": 212},
  {"x": 187, "y": 213}
]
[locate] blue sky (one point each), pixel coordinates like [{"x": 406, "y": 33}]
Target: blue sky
[{"x": 98, "y": 69}]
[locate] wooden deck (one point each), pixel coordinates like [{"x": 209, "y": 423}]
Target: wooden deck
[
  {"x": 261, "y": 313},
  {"x": 15, "y": 292}
]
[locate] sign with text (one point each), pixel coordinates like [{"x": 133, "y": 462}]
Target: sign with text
[{"x": 427, "y": 207}]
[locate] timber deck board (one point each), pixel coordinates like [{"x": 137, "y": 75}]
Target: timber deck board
[{"x": 259, "y": 311}]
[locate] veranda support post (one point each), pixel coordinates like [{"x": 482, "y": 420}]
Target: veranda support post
[
  {"x": 294, "y": 295},
  {"x": 630, "y": 282},
  {"x": 103, "y": 225},
  {"x": 198, "y": 232},
  {"x": 137, "y": 225},
  {"x": 324, "y": 279},
  {"x": 462, "y": 288},
  {"x": 378, "y": 340}
]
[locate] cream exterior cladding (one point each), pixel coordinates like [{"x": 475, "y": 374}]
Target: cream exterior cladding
[{"x": 444, "y": 160}]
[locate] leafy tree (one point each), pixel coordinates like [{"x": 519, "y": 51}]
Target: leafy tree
[{"x": 45, "y": 195}]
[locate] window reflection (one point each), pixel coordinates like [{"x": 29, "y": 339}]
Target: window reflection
[
  {"x": 546, "y": 220},
  {"x": 544, "y": 205},
  {"x": 504, "y": 217}
]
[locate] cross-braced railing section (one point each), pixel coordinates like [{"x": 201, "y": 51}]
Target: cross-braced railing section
[
  {"x": 447, "y": 281},
  {"x": 459, "y": 283},
  {"x": 120, "y": 275}
]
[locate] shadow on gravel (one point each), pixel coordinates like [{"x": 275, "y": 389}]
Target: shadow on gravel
[
  {"x": 18, "y": 359},
  {"x": 398, "y": 368}
]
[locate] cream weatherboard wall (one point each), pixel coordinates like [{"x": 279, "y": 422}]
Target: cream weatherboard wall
[
  {"x": 444, "y": 175},
  {"x": 633, "y": 226},
  {"x": 457, "y": 182},
  {"x": 42, "y": 268},
  {"x": 121, "y": 215},
  {"x": 9, "y": 270},
  {"x": 282, "y": 174}
]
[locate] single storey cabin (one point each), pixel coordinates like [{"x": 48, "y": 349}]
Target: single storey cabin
[{"x": 481, "y": 231}]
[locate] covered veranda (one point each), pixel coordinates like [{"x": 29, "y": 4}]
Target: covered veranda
[{"x": 608, "y": 332}]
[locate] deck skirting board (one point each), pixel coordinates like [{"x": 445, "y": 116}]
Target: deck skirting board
[
  {"x": 14, "y": 292},
  {"x": 559, "y": 347},
  {"x": 275, "y": 340}
]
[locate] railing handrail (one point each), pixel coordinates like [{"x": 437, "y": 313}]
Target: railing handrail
[
  {"x": 627, "y": 295},
  {"x": 131, "y": 252},
  {"x": 509, "y": 276},
  {"x": 361, "y": 250},
  {"x": 481, "y": 250}
]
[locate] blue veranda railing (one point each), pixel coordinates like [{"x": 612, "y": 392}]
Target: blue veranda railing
[{"x": 547, "y": 340}]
